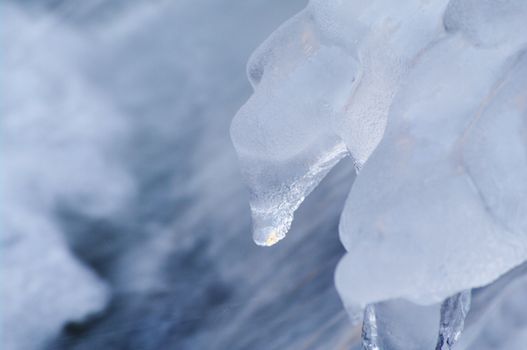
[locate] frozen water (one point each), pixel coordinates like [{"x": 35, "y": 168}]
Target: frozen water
[
  {"x": 405, "y": 325},
  {"x": 398, "y": 324},
  {"x": 424, "y": 199},
  {"x": 370, "y": 334},
  {"x": 309, "y": 109},
  {"x": 181, "y": 272},
  {"x": 432, "y": 109},
  {"x": 488, "y": 23},
  {"x": 294, "y": 126},
  {"x": 453, "y": 313}
]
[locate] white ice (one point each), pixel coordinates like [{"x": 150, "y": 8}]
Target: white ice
[
  {"x": 319, "y": 96},
  {"x": 430, "y": 100}
]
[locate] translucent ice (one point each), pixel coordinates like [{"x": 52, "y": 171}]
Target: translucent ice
[
  {"x": 453, "y": 313},
  {"x": 426, "y": 197},
  {"x": 319, "y": 95},
  {"x": 370, "y": 335},
  {"x": 430, "y": 100},
  {"x": 399, "y": 321},
  {"x": 293, "y": 146}
]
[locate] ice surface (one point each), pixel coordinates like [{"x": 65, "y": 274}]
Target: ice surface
[
  {"x": 319, "y": 96},
  {"x": 398, "y": 320},
  {"x": 370, "y": 334},
  {"x": 294, "y": 127},
  {"x": 418, "y": 173},
  {"x": 432, "y": 108},
  {"x": 454, "y": 310}
]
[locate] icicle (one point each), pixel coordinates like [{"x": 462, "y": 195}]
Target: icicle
[
  {"x": 453, "y": 313},
  {"x": 272, "y": 212},
  {"x": 370, "y": 337}
]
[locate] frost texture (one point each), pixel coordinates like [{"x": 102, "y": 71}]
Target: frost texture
[{"x": 429, "y": 98}]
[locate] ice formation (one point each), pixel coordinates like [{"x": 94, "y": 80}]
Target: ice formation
[{"x": 429, "y": 98}]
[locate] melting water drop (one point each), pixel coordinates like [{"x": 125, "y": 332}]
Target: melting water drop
[
  {"x": 454, "y": 310},
  {"x": 272, "y": 212},
  {"x": 273, "y": 231}
]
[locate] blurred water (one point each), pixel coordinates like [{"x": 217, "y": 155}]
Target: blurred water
[{"x": 177, "y": 255}]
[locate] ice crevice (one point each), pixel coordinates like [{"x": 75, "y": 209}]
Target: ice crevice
[
  {"x": 429, "y": 100},
  {"x": 454, "y": 310}
]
